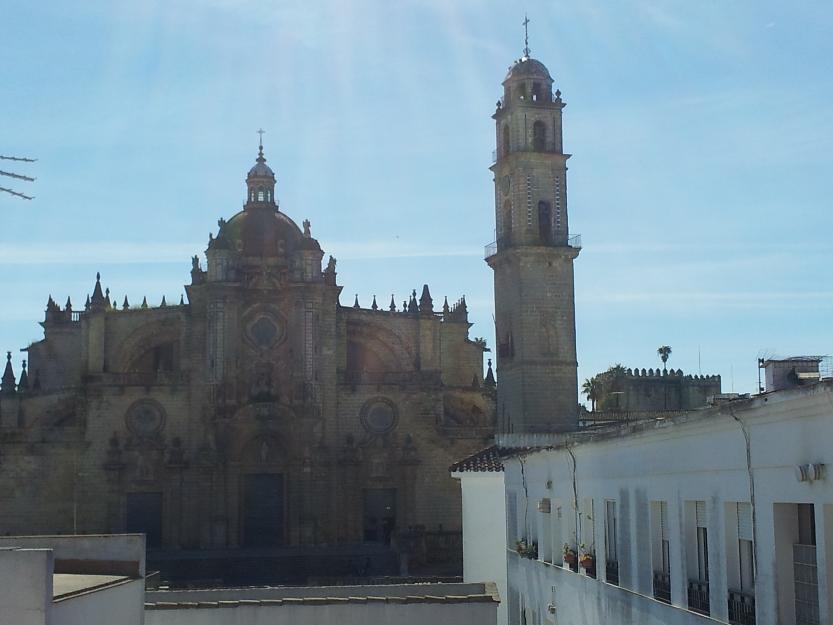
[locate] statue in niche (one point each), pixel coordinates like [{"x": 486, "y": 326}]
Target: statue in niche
[
  {"x": 261, "y": 388},
  {"x": 176, "y": 455}
]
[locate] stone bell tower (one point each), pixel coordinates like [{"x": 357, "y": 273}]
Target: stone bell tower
[{"x": 532, "y": 258}]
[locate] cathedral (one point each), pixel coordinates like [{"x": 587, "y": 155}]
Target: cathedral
[{"x": 260, "y": 412}]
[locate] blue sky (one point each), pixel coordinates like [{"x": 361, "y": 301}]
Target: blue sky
[{"x": 702, "y": 135}]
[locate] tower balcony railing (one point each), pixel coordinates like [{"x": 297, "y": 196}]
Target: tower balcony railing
[
  {"x": 548, "y": 148},
  {"x": 506, "y": 242}
]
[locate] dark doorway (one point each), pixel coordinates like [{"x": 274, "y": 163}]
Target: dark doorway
[
  {"x": 143, "y": 515},
  {"x": 379, "y": 514},
  {"x": 262, "y": 510}
]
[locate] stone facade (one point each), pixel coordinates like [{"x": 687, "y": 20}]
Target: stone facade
[
  {"x": 654, "y": 390},
  {"x": 532, "y": 258},
  {"x": 260, "y": 412}
]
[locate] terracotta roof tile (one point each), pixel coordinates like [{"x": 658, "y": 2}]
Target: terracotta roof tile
[{"x": 485, "y": 460}]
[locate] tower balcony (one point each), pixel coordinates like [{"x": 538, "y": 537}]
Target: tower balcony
[
  {"x": 548, "y": 148},
  {"x": 506, "y": 242}
]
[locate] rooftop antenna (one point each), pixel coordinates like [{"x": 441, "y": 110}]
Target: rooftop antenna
[{"x": 526, "y": 36}]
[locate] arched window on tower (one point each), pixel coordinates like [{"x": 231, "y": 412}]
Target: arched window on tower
[
  {"x": 506, "y": 218},
  {"x": 504, "y": 144},
  {"x": 261, "y": 195},
  {"x": 544, "y": 222},
  {"x": 536, "y": 92},
  {"x": 539, "y": 136}
]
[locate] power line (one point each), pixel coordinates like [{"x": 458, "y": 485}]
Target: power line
[{"x": 10, "y": 174}]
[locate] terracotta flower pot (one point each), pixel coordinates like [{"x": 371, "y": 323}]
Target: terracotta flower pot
[
  {"x": 587, "y": 562},
  {"x": 570, "y": 558}
]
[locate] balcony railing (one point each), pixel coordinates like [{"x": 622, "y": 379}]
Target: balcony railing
[
  {"x": 505, "y": 242},
  {"x": 698, "y": 596},
  {"x": 662, "y": 586},
  {"x": 741, "y": 608},
  {"x": 612, "y": 572}
]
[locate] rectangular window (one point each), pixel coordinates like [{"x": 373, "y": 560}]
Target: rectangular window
[
  {"x": 611, "y": 544},
  {"x": 698, "y": 537},
  {"x": 557, "y": 536},
  {"x": 545, "y": 547},
  {"x": 512, "y": 517},
  {"x": 661, "y": 555}
]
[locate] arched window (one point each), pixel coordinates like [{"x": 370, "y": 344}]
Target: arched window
[
  {"x": 507, "y": 222},
  {"x": 504, "y": 144},
  {"x": 536, "y": 92},
  {"x": 261, "y": 196},
  {"x": 539, "y": 136},
  {"x": 544, "y": 222}
]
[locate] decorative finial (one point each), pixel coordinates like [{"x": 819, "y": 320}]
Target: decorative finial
[
  {"x": 125, "y": 305},
  {"x": 374, "y": 305},
  {"x": 145, "y": 302},
  {"x": 181, "y": 299},
  {"x": 526, "y": 36},
  {"x": 356, "y": 302},
  {"x": 261, "y": 132},
  {"x": 392, "y": 306},
  {"x": 163, "y": 304}
]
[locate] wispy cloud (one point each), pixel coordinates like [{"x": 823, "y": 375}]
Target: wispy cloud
[{"x": 125, "y": 252}]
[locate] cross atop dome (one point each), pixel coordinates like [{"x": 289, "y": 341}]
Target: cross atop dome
[{"x": 526, "y": 36}]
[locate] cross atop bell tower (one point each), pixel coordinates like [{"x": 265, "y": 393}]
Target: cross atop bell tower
[
  {"x": 260, "y": 181},
  {"x": 532, "y": 256}
]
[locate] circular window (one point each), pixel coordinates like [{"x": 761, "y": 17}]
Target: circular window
[
  {"x": 145, "y": 418},
  {"x": 379, "y": 415},
  {"x": 264, "y": 330}
]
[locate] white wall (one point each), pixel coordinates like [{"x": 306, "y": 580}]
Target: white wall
[
  {"x": 484, "y": 524},
  {"x": 118, "y": 605},
  {"x": 25, "y": 586},
  {"x": 699, "y": 457},
  {"x": 330, "y": 614},
  {"x": 110, "y": 548}
]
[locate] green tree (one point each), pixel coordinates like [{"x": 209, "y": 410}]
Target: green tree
[
  {"x": 664, "y": 352},
  {"x": 592, "y": 388}
]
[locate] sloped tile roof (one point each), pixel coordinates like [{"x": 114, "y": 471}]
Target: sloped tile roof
[{"x": 485, "y": 460}]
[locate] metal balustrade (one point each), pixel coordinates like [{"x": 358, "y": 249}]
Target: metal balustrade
[
  {"x": 698, "y": 596},
  {"x": 506, "y": 242},
  {"x": 662, "y": 587},
  {"x": 741, "y": 608}
]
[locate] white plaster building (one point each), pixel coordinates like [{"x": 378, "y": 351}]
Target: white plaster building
[
  {"x": 725, "y": 512},
  {"x": 72, "y": 580}
]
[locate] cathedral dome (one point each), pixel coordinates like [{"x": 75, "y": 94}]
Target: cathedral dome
[
  {"x": 261, "y": 231},
  {"x": 528, "y": 67}
]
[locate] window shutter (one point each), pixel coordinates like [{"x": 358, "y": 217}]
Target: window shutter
[
  {"x": 663, "y": 520},
  {"x": 700, "y": 513},
  {"x": 744, "y": 521}
]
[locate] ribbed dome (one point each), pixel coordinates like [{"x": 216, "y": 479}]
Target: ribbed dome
[
  {"x": 528, "y": 68},
  {"x": 261, "y": 169},
  {"x": 260, "y": 231}
]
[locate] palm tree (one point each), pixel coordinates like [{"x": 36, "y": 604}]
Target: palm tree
[
  {"x": 591, "y": 388},
  {"x": 664, "y": 352}
]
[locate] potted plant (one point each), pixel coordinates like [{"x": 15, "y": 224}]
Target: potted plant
[
  {"x": 526, "y": 549},
  {"x": 587, "y": 560},
  {"x": 569, "y": 555}
]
